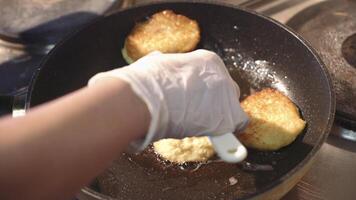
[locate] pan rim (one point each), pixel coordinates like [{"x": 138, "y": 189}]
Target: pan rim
[{"x": 324, "y": 131}]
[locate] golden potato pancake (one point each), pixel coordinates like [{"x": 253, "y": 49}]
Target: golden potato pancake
[
  {"x": 165, "y": 31},
  {"x": 275, "y": 121}
]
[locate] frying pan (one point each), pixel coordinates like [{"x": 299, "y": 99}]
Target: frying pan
[{"x": 258, "y": 52}]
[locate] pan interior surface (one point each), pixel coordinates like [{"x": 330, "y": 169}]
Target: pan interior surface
[{"x": 258, "y": 54}]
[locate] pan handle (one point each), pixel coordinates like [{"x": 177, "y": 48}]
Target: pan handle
[{"x": 14, "y": 104}]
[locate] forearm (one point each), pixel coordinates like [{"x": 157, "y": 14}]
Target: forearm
[{"x": 62, "y": 145}]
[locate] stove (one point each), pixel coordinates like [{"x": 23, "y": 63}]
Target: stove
[{"x": 333, "y": 174}]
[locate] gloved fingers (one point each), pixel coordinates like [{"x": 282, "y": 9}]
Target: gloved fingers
[
  {"x": 194, "y": 57},
  {"x": 107, "y": 74},
  {"x": 237, "y": 90},
  {"x": 244, "y": 120},
  {"x": 197, "y": 57},
  {"x": 239, "y": 117},
  {"x": 198, "y": 61},
  {"x": 96, "y": 77},
  {"x": 154, "y": 53}
]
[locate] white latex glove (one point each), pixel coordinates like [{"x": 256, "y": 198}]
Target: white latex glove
[{"x": 187, "y": 94}]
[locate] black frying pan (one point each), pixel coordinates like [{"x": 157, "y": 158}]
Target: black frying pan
[{"x": 240, "y": 37}]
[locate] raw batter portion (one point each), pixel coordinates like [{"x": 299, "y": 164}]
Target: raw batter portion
[
  {"x": 189, "y": 149},
  {"x": 165, "y": 31},
  {"x": 274, "y": 121}
]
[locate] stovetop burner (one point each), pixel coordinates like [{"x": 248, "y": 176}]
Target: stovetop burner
[
  {"x": 47, "y": 21},
  {"x": 348, "y": 50},
  {"x": 30, "y": 28},
  {"x": 330, "y": 27}
]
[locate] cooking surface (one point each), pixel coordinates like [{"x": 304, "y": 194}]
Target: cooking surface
[
  {"x": 216, "y": 180},
  {"x": 333, "y": 174}
]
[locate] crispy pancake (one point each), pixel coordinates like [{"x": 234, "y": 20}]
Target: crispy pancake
[
  {"x": 274, "y": 120},
  {"x": 165, "y": 31}
]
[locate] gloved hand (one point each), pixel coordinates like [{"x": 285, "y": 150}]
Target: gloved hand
[{"x": 187, "y": 94}]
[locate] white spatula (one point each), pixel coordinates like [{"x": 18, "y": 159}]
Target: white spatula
[{"x": 229, "y": 148}]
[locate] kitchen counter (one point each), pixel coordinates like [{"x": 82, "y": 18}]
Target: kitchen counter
[{"x": 333, "y": 173}]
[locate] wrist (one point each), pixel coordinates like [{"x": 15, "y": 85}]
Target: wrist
[{"x": 125, "y": 105}]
